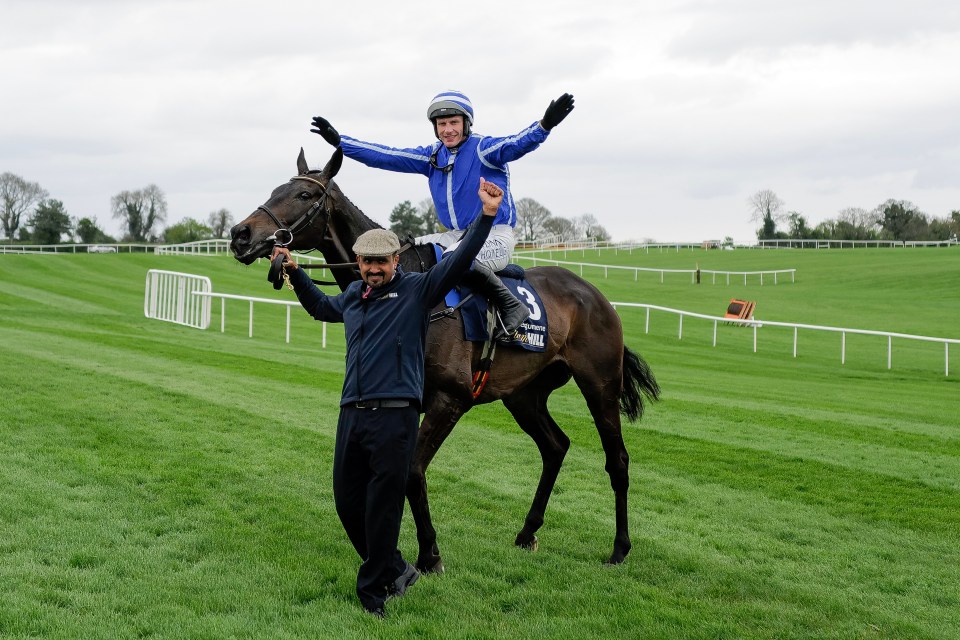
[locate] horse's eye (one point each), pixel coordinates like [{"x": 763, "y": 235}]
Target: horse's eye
[{"x": 303, "y": 195}]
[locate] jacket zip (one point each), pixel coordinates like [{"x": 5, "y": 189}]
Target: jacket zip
[
  {"x": 399, "y": 358},
  {"x": 363, "y": 326}
]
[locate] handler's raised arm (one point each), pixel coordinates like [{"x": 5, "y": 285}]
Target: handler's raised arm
[{"x": 491, "y": 196}]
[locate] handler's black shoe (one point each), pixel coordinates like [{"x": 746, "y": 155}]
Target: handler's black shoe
[
  {"x": 406, "y": 580},
  {"x": 377, "y": 612}
]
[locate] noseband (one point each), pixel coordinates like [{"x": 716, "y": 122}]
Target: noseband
[{"x": 302, "y": 222}]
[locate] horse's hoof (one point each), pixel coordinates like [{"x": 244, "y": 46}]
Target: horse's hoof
[
  {"x": 435, "y": 567},
  {"x": 532, "y": 545}
]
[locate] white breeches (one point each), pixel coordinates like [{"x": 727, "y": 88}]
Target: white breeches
[{"x": 494, "y": 254}]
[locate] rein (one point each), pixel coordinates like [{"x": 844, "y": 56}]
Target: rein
[
  {"x": 344, "y": 265},
  {"x": 341, "y": 265}
]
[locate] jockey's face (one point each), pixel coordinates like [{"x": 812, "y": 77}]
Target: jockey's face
[
  {"x": 450, "y": 131},
  {"x": 377, "y": 271}
]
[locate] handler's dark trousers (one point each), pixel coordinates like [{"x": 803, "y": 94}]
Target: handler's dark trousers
[{"x": 372, "y": 458}]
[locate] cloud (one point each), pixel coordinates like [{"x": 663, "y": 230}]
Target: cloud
[
  {"x": 683, "y": 110},
  {"x": 718, "y": 31}
]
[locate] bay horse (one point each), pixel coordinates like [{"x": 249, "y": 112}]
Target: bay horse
[{"x": 584, "y": 341}]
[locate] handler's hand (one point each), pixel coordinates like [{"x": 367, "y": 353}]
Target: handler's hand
[
  {"x": 289, "y": 263},
  {"x": 491, "y": 196},
  {"x": 325, "y": 129},
  {"x": 557, "y": 111}
]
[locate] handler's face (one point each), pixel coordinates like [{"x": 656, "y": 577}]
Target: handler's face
[{"x": 377, "y": 271}]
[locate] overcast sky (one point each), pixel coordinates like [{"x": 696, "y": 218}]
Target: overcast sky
[{"x": 684, "y": 109}]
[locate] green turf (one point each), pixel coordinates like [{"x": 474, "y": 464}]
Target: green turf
[{"x": 161, "y": 481}]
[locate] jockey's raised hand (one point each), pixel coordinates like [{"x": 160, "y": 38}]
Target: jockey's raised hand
[
  {"x": 325, "y": 129},
  {"x": 557, "y": 111}
]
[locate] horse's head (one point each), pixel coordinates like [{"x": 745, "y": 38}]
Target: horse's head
[{"x": 295, "y": 215}]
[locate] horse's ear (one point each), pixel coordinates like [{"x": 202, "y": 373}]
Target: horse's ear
[
  {"x": 301, "y": 163},
  {"x": 333, "y": 166}
]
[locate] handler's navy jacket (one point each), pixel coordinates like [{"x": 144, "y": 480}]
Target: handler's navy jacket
[
  {"x": 454, "y": 192},
  {"x": 387, "y": 330}
]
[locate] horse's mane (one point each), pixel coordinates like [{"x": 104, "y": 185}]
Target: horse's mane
[{"x": 342, "y": 196}]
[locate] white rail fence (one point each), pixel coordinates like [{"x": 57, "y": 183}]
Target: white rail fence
[
  {"x": 693, "y": 272},
  {"x": 184, "y": 299},
  {"x": 228, "y": 296},
  {"x": 169, "y": 296},
  {"x": 757, "y": 324}
]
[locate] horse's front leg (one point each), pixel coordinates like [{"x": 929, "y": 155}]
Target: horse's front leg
[{"x": 441, "y": 413}]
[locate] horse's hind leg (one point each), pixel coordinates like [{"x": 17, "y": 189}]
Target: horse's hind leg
[{"x": 529, "y": 408}]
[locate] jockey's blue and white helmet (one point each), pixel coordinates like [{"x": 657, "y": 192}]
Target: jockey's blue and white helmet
[{"x": 451, "y": 103}]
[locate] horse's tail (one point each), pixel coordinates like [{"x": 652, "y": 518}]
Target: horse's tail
[{"x": 638, "y": 381}]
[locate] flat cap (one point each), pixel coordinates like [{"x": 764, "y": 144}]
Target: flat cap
[{"x": 377, "y": 243}]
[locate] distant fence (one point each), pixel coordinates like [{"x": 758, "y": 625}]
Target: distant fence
[
  {"x": 582, "y": 246},
  {"x": 756, "y": 324},
  {"x": 693, "y": 272},
  {"x": 851, "y": 244},
  {"x": 198, "y": 248},
  {"x": 77, "y": 248}
]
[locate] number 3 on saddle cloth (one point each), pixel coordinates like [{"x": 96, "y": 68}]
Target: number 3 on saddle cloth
[{"x": 531, "y": 335}]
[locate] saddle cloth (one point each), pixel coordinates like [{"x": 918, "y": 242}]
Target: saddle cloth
[{"x": 531, "y": 335}]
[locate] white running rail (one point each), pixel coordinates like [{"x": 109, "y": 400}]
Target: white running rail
[
  {"x": 756, "y": 324},
  {"x": 169, "y": 296}
]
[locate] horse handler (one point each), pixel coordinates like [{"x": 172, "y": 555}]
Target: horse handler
[{"x": 385, "y": 318}]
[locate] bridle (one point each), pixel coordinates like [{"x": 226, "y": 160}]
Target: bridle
[{"x": 302, "y": 222}]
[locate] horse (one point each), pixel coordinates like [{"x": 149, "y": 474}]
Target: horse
[{"x": 584, "y": 342}]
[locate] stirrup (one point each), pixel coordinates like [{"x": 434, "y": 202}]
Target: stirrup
[{"x": 500, "y": 332}]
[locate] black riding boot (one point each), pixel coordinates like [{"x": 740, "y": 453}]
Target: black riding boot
[{"x": 512, "y": 312}]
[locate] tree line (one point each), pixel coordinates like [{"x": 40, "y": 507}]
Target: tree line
[
  {"x": 29, "y": 214},
  {"x": 534, "y": 222},
  {"x": 891, "y": 220}
]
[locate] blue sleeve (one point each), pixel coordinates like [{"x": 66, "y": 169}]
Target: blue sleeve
[
  {"x": 444, "y": 275},
  {"x": 500, "y": 151},
  {"x": 314, "y": 301},
  {"x": 378, "y": 156}
]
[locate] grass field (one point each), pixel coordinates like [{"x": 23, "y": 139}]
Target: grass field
[{"x": 158, "y": 481}]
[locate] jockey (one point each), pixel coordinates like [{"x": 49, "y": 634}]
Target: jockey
[{"x": 453, "y": 166}]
